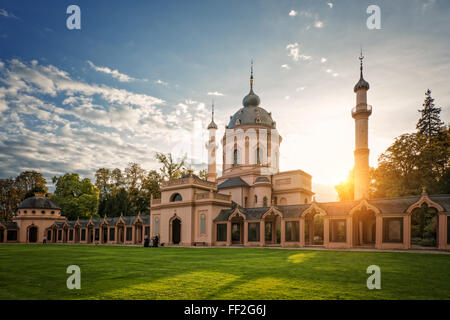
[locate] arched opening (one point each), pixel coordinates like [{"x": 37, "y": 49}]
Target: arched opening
[
  {"x": 272, "y": 229},
  {"x": 424, "y": 226},
  {"x": 176, "y": 231},
  {"x": 265, "y": 202},
  {"x": 283, "y": 202},
  {"x": 138, "y": 232},
  {"x": 120, "y": 233},
  {"x": 259, "y": 156},
  {"x": 90, "y": 234},
  {"x": 236, "y": 157},
  {"x": 104, "y": 234},
  {"x": 2, "y": 234},
  {"x": 314, "y": 230},
  {"x": 237, "y": 230},
  {"x": 77, "y": 234},
  {"x": 32, "y": 234},
  {"x": 364, "y": 228},
  {"x": 176, "y": 197}
]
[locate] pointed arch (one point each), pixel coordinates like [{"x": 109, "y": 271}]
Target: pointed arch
[
  {"x": 366, "y": 205},
  {"x": 236, "y": 214},
  {"x": 314, "y": 207},
  {"x": 425, "y": 199},
  {"x": 274, "y": 211}
]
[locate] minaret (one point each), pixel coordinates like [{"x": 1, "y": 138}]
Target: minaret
[
  {"x": 361, "y": 114},
  {"x": 212, "y": 128}
]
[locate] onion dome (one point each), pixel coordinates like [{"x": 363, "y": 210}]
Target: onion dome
[
  {"x": 251, "y": 113},
  {"x": 362, "y": 84},
  {"x": 212, "y": 124}
]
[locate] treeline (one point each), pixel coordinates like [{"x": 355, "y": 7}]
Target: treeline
[
  {"x": 114, "y": 191},
  {"x": 414, "y": 161}
]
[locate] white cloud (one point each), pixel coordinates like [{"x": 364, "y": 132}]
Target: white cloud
[
  {"x": 293, "y": 13},
  {"x": 163, "y": 83},
  {"x": 318, "y": 24},
  {"x": 285, "y": 66},
  {"x": 300, "y": 89},
  {"x": 294, "y": 52},
  {"x": 114, "y": 73},
  {"x": 330, "y": 4},
  {"x": 215, "y": 93},
  {"x": 7, "y": 14},
  {"x": 428, "y": 4},
  {"x": 323, "y": 60}
]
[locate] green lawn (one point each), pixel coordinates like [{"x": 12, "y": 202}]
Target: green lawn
[{"x": 108, "y": 272}]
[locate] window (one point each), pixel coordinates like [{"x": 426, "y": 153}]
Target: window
[
  {"x": 448, "y": 229},
  {"x": 43, "y": 212},
  {"x": 53, "y": 212},
  {"x": 338, "y": 230},
  {"x": 265, "y": 202},
  {"x": 156, "y": 225},
  {"x": 292, "y": 232},
  {"x": 256, "y": 200},
  {"x": 306, "y": 201},
  {"x": 59, "y": 235},
  {"x": 147, "y": 231},
  {"x": 236, "y": 157},
  {"x": 129, "y": 234},
  {"x": 49, "y": 235},
  {"x": 259, "y": 155},
  {"x": 176, "y": 197},
  {"x": 222, "y": 232},
  {"x": 11, "y": 235},
  {"x": 33, "y": 212},
  {"x": 70, "y": 235},
  {"x": 25, "y": 211},
  {"x": 83, "y": 234},
  {"x": 112, "y": 234},
  {"x": 97, "y": 234},
  {"x": 253, "y": 231},
  {"x": 275, "y": 200},
  {"x": 203, "y": 224},
  {"x": 392, "y": 229},
  {"x": 245, "y": 202}
]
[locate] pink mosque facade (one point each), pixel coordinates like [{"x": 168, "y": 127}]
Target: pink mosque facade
[{"x": 252, "y": 203}]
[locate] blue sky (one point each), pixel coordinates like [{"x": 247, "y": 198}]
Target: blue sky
[{"x": 139, "y": 77}]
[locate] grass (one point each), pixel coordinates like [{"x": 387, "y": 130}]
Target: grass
[{"x": 114, "y": 272}]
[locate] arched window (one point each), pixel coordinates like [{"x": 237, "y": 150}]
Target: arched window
[
  {"x": 256, "y": 200},
  {"x": 176, "y": 197},
  {"x": 156, "y": 225},
  {"x": 259, "y": 155},
  {"x": 306, "y": 200},
  {"x": 236, "y": 157},
  {"x": 265, "y": 202},
  {"x": 275, "y": 200},
  {"x": 203, "y": 224}
]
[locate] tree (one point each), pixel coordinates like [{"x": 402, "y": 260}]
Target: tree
[
  {"x": 170, "y": 168},
  {"x": 10, "y": 198},
  {"x": 31, "y": 182},
  {"x": 103, "y": 182},
  {"x": 77, "y": 198},
  {"x": 430, "y": 123}
]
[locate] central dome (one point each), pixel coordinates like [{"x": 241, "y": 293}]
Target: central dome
[{"x": 251, "y": 115}]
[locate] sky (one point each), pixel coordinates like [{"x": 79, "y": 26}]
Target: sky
[{"x": 139, "y": 77}]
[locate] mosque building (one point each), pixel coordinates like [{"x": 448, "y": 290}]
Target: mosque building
[{"x": 252, "y": 203}]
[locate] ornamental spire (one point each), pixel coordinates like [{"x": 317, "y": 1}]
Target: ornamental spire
[
  {"x": 361, "y": 58},
  {"x": 212, "y": 124},
  {"x": 251, "y": 75}
]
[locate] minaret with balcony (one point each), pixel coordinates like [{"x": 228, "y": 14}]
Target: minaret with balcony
[
  {"x": 361, "y": 114},
  {"x": 212, "y": 147}
]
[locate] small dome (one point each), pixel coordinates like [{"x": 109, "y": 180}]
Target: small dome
[
  {"x": 251, "y": 100},
  {"x": 362, "y": 84},
  {"x": 212, "y": 125},
  {"x": 39, "y": 203}
]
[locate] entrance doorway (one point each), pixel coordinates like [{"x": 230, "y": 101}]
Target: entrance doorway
[
  {"x": 176, "y": 231},
  {"x": 314, "y": 229},
  {"x": 237, "y": 228},
  {"x": 364, "y": 228},
  {"x": 32, "y": 234},
  {"x": 272, "y": 229},
  {"x": 424, "y": 227}
]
